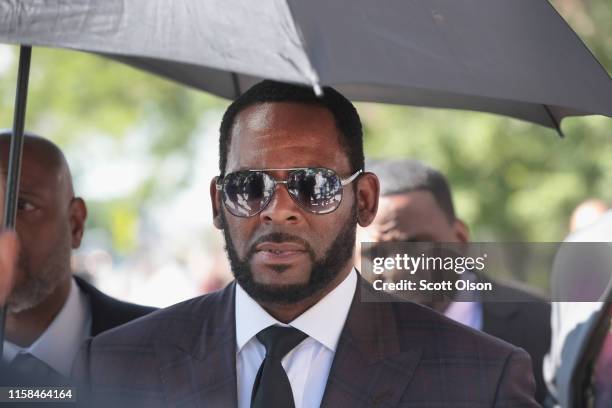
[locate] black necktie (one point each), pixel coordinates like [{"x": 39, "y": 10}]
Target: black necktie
[{"x": 271, "y": 387}]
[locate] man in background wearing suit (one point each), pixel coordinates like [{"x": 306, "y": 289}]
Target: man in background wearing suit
[
  {"x": 292, "y": 329},
  {"x": 416, "y": 205},
  {"x": 51, "y": 312},
  {"x": 9, "y": 252}
]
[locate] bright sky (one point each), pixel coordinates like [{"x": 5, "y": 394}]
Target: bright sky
[{"x": 6, "y": 58}]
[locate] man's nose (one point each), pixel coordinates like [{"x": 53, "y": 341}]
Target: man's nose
[{"x": 282, "y": 209}]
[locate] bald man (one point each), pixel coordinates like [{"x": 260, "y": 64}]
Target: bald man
[{"x": 50, "y": 311}]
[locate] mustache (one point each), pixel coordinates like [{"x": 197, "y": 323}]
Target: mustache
[{"x": 280, "y": 237}]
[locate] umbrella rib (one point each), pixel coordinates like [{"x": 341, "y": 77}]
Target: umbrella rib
[
  {"x": 236, "y": 83},
  {"x": 554, "y": 120},
  {"x": 14, "y": 162}
]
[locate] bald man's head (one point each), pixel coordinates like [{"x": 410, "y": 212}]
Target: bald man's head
[
  {"x": 42, "y": 153},
  {"x": 50, "y": 221}
]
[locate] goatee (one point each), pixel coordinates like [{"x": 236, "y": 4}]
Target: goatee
[{"x": 322, "y": 273}]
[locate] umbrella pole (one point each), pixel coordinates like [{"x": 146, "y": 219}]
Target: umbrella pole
[{"x": 14, "y": 164}]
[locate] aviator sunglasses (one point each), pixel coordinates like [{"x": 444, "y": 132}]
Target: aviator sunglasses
[{"x": 316, "y": 189}]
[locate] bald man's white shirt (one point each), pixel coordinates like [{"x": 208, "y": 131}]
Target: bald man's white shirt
[{"x": 59, "y": 344}]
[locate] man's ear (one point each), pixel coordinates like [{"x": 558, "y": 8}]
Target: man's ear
[
  {"x": 215, "y": 198},
  {"x": 78, "y": 216},
  {"x": 462, "y": 232},
  {"x": 368, "y": 190}
]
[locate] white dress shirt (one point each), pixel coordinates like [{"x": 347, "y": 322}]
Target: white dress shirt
[
  {"x": 58, "y": 345},
  {"x": 466, "y": 309},
  {"x": 308, "y": 364},
  {"x": 467, "y": 313}
]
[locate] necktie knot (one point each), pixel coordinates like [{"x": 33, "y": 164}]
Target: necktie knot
[
  {"x": 31, "y": 366},
  {"x": 279, "y": 341}
]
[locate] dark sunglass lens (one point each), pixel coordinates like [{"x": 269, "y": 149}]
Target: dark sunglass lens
[
  {"x": 247, "y": 192},
  {"x": 317, "y": 190}
]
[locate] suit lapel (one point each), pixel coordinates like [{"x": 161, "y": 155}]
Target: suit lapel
[
  {"x": 200, "y": 370},
  {"x": 369, "y": 368}
]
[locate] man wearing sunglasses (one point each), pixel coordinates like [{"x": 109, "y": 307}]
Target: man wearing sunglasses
[{"x": 292, "y": 330}]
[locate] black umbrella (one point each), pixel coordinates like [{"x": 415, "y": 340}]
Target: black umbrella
[{"x": 514, "y": 58}]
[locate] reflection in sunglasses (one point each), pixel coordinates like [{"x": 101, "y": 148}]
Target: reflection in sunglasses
[{"x": 248, "y": 192}]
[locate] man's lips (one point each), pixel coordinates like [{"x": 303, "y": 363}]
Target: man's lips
[
  {"x": 274, "y": 252},
  {"x": 280, "y": 247}
]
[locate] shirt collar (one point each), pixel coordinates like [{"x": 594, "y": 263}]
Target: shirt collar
[
  {"x": 59, "y": 343},
  {"x": 466, "y": 308},
  {"x": 333, "y": 309}
]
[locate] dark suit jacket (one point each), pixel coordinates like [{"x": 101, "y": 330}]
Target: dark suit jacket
[
  {"x": 388, "y": 355},
  {"x": 108, "y": 312},
  {"x": 524, "y": 323}
]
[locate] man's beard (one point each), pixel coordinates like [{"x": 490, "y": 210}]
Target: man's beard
[
  {"x": 323, "y": 271},
  {"x": 35, "y": 286}
]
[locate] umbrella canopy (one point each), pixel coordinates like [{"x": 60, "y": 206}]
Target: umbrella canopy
[{"x": 516, "y": 58}]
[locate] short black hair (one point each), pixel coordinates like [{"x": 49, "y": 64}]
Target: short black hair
[
  {"x": 404, "y": 176},
  {"x": 344, "y": 113}
]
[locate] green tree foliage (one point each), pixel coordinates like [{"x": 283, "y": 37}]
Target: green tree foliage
[
  {"x": 512, "y": 181},
  {"x": 76, "y": 99}
]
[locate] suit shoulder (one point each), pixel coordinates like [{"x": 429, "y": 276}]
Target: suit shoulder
[
  {"x": 519, "y": 292},
  {"x": 496, "y": 371},
  {"x": 434, "y": 333},
  {"x": 187, "y": 317},
  {"x": 108, "y": 312},
  {"x": 530, "y": 304},
  {"x": 518, "y": 297},
  {"x": 439, "y": 334},
  {"x": 127, "y": 310}
]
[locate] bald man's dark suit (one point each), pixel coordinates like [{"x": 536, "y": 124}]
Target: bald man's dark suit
[
  {"x": 388, "y": 355},
  {"x": 108, "y": 312},
  {"x": 525, "y": 322}
]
